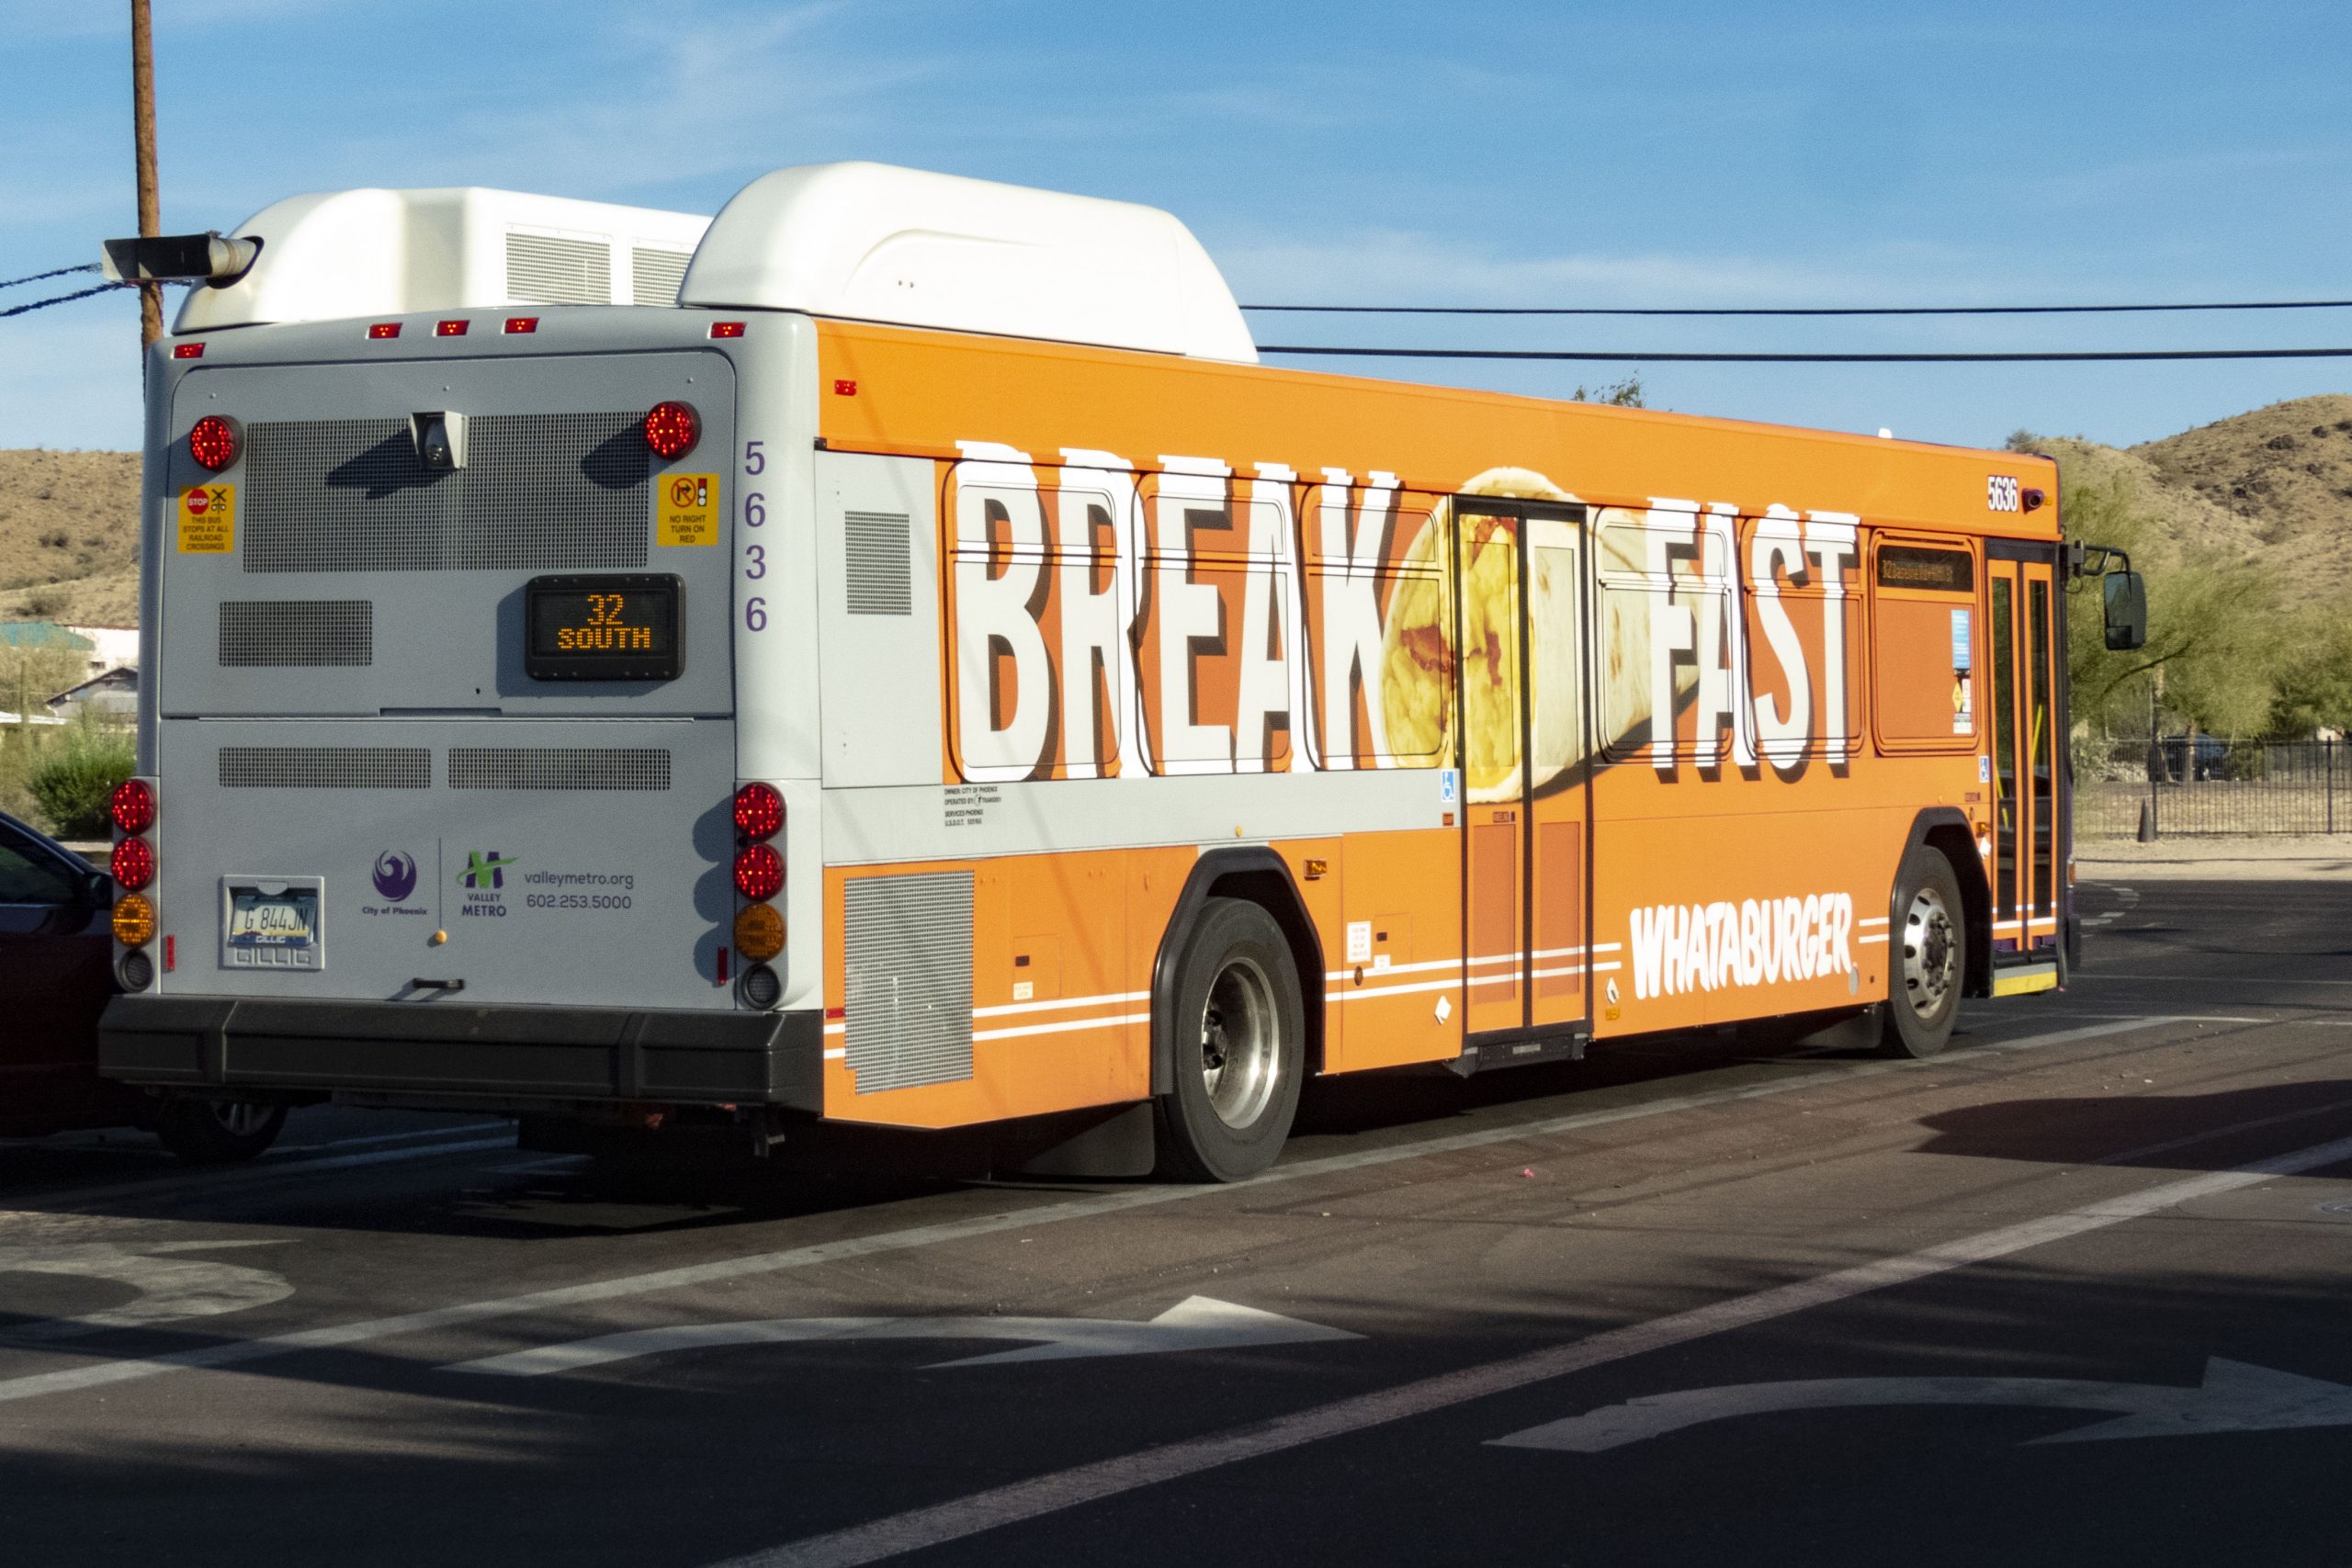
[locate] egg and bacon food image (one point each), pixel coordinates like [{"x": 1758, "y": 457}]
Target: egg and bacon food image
[{"x": 1419, "y": 654}]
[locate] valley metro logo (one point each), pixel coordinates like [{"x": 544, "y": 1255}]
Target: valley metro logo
[{"x": 485, "y": 871}]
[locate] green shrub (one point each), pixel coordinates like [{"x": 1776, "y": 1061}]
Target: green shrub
[{"x": 75, "y": 774}]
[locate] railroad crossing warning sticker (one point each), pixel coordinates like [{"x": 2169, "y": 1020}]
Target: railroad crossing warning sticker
[
  {"x": 689, "y": 509},
  {"x": 208, "y": 520}
]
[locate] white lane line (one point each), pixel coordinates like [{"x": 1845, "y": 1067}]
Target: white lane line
[
  {"x": 2277, "y": 984},
  {"x": 1023, "y": 1500},
  {"x": 387, "y": 1140},
  {"x": 71, "y": 1198},
  {"x": 239, "y": 1352}
]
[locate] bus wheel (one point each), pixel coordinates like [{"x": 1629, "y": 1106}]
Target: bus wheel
[
  {"x": 1238, "y": 1049},
  {"x": 218, "y": 1131},
  {"x": 1930, "y": 957}
]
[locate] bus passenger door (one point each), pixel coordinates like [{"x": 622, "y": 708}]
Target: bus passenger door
[
  {"x": 1520, "y": 607},
  {"x": 2021, "y": 621}
]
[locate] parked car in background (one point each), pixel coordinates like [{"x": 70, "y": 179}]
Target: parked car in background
[
  {"x": 2196, "y": 758},
  {"x": 56, "y": 973}
]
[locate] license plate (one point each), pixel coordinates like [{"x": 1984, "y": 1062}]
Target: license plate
[{"x": 288, "y": 920}]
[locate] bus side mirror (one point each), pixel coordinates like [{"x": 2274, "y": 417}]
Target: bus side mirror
[{"x": 2127, "y": 611}]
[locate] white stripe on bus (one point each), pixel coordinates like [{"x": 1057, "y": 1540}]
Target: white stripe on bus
[{"x": 1061, "y": 1004}]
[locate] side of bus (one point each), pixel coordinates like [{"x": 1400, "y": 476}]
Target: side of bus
[{"x": 1189, "y": 728}]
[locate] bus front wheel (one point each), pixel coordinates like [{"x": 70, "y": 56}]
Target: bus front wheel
[
  {"x": 1238, "y": 1050},
  {"x": 1928, "y": 956}
]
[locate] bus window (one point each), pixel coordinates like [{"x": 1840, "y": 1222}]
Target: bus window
[{"x": 1922, "y": 646}]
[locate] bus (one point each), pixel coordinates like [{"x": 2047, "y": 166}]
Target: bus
[{"x": 888, "y": 656}]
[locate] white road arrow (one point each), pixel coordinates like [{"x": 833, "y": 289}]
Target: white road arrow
[
  {"x": 170, "y": 1288},
  {"x": 2234, "y": 1397},
  {"x": 1196, "y": 1323}
]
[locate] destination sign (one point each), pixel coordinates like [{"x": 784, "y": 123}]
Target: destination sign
[{"x": 620, "y": 627}]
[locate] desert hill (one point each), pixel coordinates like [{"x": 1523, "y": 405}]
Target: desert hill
[{"x": 69, "y": 536}]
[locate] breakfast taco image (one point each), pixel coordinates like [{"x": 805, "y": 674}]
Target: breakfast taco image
[{"x": 1421, "y": 652}]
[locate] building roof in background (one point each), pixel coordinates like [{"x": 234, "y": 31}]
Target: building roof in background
[
  {"x": 44, "y": 633},
  {"x": 121, "y": 678}
]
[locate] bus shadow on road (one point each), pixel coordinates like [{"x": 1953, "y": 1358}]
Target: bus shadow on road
[{"x": 2142, "y": 1126}]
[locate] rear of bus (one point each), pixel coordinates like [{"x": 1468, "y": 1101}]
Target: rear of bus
[{"x": 443, "y": 741}]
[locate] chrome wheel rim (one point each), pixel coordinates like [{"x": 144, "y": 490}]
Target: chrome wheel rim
[
  {"x": 240, "y": 1119},
  {"x": 1931, "y": 952},
  {"x": 1240, "y": 1043}
]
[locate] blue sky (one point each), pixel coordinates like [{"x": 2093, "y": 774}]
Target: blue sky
[{"x": 1694, "y": 153}]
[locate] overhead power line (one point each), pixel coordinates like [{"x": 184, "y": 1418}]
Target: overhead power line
[
  {"x": 1800, "y": 309},
  {"x": 53, "y": 272},
  {"x": 62, "y": 299},
  {"x": 1619, "y": 357}
]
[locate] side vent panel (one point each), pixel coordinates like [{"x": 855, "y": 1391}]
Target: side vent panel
[
  {"x": 559, "y": 767},
  {"x": 654, "y": 276},
  {"x": 908, "y": 954},
  {"x": 326, "y": 767},
  {"x": 543, "y": 270},
  {"x": 875, "y": 561},
  {"x": 306, "y": 632}
]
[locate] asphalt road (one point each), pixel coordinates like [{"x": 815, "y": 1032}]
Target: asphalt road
[{"x": 2076, "y": 1293}]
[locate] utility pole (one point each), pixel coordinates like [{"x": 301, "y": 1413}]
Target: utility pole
[{"x": 143, "y": 114}]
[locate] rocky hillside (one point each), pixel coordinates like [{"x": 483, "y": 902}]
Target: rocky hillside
[{"x": 69, "y": 536}]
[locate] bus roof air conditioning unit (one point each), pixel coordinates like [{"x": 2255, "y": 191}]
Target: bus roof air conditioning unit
[
  {"x": 868, "y": 242},
  {"x": 332, "y": 256}
]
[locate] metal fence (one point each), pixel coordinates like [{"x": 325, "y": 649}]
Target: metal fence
[{"x": 2181, "y": 785}]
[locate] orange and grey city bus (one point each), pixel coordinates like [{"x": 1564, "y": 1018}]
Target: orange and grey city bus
[{"x": 888, "y": 655}]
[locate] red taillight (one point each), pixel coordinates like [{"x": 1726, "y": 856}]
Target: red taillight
[
  {"x": 385, "y": 329},
  {"x": 133, "y": 864},
  {"x": 726, "y": 329},
  {"x": 133, "y": 806},
  {"x": 187, "y": 351},
  {"x": 758, "y": 871},
  {"x": 522, "y": 323},
  {"x": 215, "y": 441},
  {"x": 759, "y": 811},
  {"x": 450, "y": 329},
  {"x": 671, "y": 429}
]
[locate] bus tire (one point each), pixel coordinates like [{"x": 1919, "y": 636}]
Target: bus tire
[
  {"x": 1239, "y": 1051},
  {"x": 218, "y": 1131},
  {"x": 1926, "y": 956}
]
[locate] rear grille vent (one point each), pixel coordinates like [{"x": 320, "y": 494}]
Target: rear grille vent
[
  {"x": 297, "y": 631},
  {"x": 326, "y": 767},
  {"x": 558, "y": 767},
  {"x": 907, "y": 953},
  {"x": 543, "y": 270},
  {"x": 875, "y": 547},
  {"x": 539, "y": 492},
  {"x": 655, "y": 276}
]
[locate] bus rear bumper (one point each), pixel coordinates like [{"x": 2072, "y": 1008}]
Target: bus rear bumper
[{"x": 454, "y": 1053}]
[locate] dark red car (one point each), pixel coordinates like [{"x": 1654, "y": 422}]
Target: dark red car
[{"x": 56, "y": 973}]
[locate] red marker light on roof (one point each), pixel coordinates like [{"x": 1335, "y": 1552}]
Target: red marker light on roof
[
  {"x": 385, "y": 329},
  {"x": 844, "y": 388},
  {"x": 215, "y": 441},
  {"x": 450, "y": 329},
  {"x": 671, "y": 429},
  {"x": 194, "y": 350},
  {"x": 726, "y": 329},
  {"x": 522, "y": 323}
]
